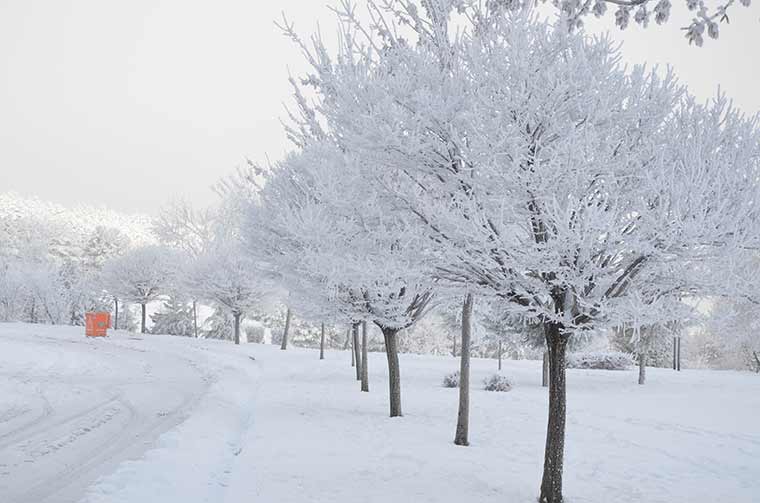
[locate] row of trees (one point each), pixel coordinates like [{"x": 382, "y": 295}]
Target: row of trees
[{"x": 466, "y": 152}]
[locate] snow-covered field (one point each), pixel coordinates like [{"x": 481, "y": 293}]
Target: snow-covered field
[{"x": 153, "y": 418}]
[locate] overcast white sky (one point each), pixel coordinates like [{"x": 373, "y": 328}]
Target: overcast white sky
[{"x": 126, "y": 104}]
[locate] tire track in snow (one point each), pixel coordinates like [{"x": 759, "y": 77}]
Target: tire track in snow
[{"x": 134, "y": 393}]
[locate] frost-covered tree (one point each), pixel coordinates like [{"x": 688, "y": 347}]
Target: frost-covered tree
[
  {"x": 103, "y": 244},
  {"x": 544, "y": 173},
  {"x": 141, "y": 275},
  {"x": 646, "y": 324},
  {"x": 735, "y": 327},
  {"x": 12, "y": 288},
  {"x": 189, "y": 230},
  {"x": 174, "y": 318},
  {"x": 227, "y": 277},
  {"x": 318, "y": 228}
]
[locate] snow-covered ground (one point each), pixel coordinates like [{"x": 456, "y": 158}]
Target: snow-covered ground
[
  {"x": 74, "y": 410},
  {"x": 153, "y": 418}
]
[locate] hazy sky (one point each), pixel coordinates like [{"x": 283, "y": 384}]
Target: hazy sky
[{"x": 126, "y": 104}]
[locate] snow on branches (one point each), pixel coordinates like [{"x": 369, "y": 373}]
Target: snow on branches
[{"x": 515, "y": 159}]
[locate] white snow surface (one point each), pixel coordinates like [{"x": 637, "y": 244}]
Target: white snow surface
[{"x": 168, "y": 419}]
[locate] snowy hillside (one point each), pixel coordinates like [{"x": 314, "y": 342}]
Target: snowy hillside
[
  {"x": 159, "y": 419},
  {"x": 71, "y": 224}
]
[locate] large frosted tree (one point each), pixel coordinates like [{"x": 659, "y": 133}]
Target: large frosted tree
[{"x": 544, "y": 174}]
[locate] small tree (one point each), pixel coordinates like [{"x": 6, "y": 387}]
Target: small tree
[
  {"x": 181, "y": 226},
  {"x": 174, "y": 318},
  {"x": 140, "y": 276},
  {"x": 227, "y": 277}
]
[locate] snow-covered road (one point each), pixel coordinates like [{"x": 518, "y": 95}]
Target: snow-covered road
[{"x": 73, "y": 409}]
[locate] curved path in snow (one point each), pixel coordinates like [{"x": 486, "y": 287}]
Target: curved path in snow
[{"x": 72, "y": 409}]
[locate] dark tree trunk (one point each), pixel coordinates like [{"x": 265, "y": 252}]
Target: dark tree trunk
[
  {"x": 394, "y": 370},
  {"x": 499, "y": 355},
  {"x": 284, "y": 344},
  {"x": 365, "y": 365},
  {"x": 357, "y": 350},
  {"x": 551, "y": 484},
  {"x": 463, "y": 416},
  {"x": 454, "y": 346},
  {"x": 545, "y": 370},
  {"x": 757, "y": 362},
  {"x": 351, "y": 348},
  {"x": 642, "y": 367},
  {"x": 116, "y": 314},
  {"x": 195, "y": 318},
  {"x": 679, "y": 354},
  {"x": 142, "y": 320},
  {"x": 322, "y": 343},
  {"x": 237, "y": 327}
]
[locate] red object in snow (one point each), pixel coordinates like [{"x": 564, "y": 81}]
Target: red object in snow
[{"x": 96, "y": 324}]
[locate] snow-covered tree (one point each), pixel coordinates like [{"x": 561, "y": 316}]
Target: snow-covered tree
[
  {"x": 174, "y": 318},
  {"x": 189, "y": 230},
  {"x": 735, "y": 325},
  {"x": 545, "y": 174},
  {"x": 317, "y": 227},
  {"x": 140, "y": 276},
  {"x": 227, "y": 277}
]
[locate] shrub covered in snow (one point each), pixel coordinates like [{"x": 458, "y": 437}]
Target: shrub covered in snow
[
  {"x": 451, "y": 380},
  {"x": 497, "y": 382},
  {"x": 602, "y": 360}
]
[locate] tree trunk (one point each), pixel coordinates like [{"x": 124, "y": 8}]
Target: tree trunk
[
  {"x": 237, "y": 327},
  {"x": 454, "y": 346},
  {"x": 365, "y": 366},
  {"x": 195, "y": 318},
  {"x": 322, "y": 343},
  {"x": 757, "y": 362},
  {"x": 642, "y": 367},
  {"x": 679, "y": 354},
  {"x": 357, "y": 350},
  {"x": 551, "y": 484},
  {"x": 499, "y": 355},
  {"x": 394, "y": 370},
  {"x": 116, "y": 314},
  {"x": 284, "y": 344},
  {"x": 142, "y": 320},
  {"x": 463, "y": 416},
  {"x": 545, "y": 371},
  {"x": 349, "y": 337}
]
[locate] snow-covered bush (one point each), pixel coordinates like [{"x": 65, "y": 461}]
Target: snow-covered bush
[
  {"x": 600, "y": 360},
  {"x": 174, "y": 318},
  {"x": 497, "y": 382},
  {"x": 451, "y": 380}
]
